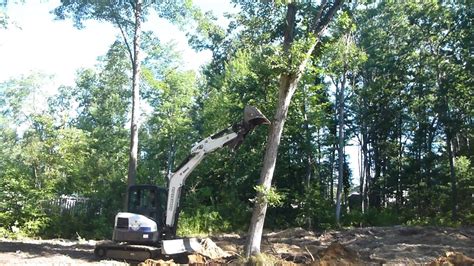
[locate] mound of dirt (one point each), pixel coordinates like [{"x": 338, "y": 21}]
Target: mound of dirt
[
  {"x": 151, "y": 262},
  {"x": 211, "y": 250},
  {"x": 373, "y": 245},
  {"x": 289, "y": 233},
  {"x": 337, "y": 254},
  {"x": 453, "y": 258}
]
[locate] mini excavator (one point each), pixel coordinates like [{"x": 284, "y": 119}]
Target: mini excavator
[{"x": 148, "y": 228}]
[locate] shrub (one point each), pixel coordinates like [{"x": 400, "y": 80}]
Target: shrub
[{"x": 204, "y": 221}]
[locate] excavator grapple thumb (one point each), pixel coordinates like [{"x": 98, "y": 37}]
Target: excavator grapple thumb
[{"x": 252, "y": 118}]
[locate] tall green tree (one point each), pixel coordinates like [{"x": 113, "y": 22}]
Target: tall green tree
[
  {"x": 128, "y": 16},
  {"x": 342, "y": 60},
  {"x": 299, "y": 39},
  {"x": 41, "y": 158},
  {"x": 170, "y": 93}
]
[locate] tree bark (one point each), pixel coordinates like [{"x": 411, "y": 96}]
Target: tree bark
[
  {"x": 340, "y": 152},
  {"x": 333, "y": 132},
  {"x": 448, "y": 129},
  {"x": 332, "y": 166},
  {"x": 308, "y": 150},
  {"x": 399, "y": 199},
  {"x": 366, "y": 173},
  {"x": 136, "y": 64},
  {"x": 322, "y": 183},
  {"x": 452, "y": 171}
]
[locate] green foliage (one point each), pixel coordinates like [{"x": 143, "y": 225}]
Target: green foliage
[
  {"x": 314, "y": 210},
  {"x": 120, "y": 13},
  {"x": 204, "y": 220},
  {"x": 269, "y": 195},
  {"x": 168, "y": 132},
  {"x": 384, "y": 217},
  {"x": 465, "y": 175}
]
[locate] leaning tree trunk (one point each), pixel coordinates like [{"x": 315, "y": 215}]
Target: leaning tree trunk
[
  {"x": 287, "y": 87},
  {"x": 133, "y": 155}
]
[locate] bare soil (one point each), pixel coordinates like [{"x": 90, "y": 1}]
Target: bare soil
[{"x": 358, "y": 246}]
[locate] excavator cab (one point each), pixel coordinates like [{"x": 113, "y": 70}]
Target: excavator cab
[
  {"x": 143, "y": 221},
  {"x": 148, "y": 200}
]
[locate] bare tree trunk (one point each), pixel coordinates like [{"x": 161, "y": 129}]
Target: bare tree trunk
[
  {"x": 361, "y": 178},
  {"x": 340, "y": 150},
  {"x": 322, "y": 183},
  {"x": 446, "y": 120},
  {"x": 309, "y": 154},
  {"x": 334, "y": 146},
  {"x": 35, "y": 176},
  {"x": 452, "y": 172},
  {"x": 399, "y": 199},
  {"x": 133, "y": 155},
  {"x": 331, "y": 174},
  {"x": 366, "y": 173},
  {"x": 136, "y": 62}
]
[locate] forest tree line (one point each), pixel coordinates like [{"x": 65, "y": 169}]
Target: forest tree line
[{"x": 397, "y": 75}]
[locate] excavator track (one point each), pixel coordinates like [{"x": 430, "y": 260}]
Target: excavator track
[{"x": 127, "y": 252}]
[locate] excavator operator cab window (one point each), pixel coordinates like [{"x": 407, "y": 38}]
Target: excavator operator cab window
[{"x": 147, "y": 200}]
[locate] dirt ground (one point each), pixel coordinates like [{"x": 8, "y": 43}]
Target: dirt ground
[{"x": 362, "y": 246}]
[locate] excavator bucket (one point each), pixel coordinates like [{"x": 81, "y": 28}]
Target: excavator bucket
[
  {"x": 178, "y": 246},
  {"x": 253, "y": 117}
]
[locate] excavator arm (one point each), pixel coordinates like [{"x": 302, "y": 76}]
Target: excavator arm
[
  {"x": 232, "y": 137},
  {"x": 176, "y": 180}
]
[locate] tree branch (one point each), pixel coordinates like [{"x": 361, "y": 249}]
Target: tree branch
[
  {"x": 130, "y": 53},
  {"x": 290, "y": 26},
  {"x": 132, "y": 3},
  {"x": 318, "y": 15},
  {"x": 324, "y": 21}
]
